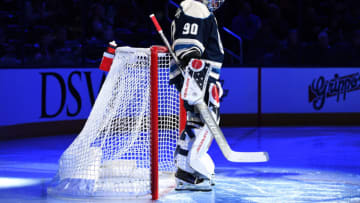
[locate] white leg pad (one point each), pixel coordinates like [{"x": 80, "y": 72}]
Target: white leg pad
[
  {"x": 183, "y": 161},
  {"x": 199, "y": 159}
]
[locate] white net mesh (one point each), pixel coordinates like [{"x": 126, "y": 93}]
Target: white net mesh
[{"x": 111, "y": 155}]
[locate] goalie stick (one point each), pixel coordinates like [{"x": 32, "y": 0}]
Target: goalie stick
[{"x": 229, "y": 154}]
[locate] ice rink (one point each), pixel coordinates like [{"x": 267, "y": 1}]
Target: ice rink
[{"x": 307, "y": 164}]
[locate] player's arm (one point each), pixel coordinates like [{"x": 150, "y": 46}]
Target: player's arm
[
  {"x": 190, "y": 30},
  {"x": 188, "y": 33}
]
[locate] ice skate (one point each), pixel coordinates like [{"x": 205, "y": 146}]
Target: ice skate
[
  {"x": 204, "y": 185},
  {"x": 212, "y": 180}
]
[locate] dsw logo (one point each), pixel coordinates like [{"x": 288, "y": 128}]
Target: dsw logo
[
  {"x": 67, "y": 89},
  {"x": 320, "y": 89}
]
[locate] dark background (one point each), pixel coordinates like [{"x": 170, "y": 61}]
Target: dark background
[{"x": 273, "y": 32}]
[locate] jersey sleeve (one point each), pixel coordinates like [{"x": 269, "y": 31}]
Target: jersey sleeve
[
  {"x": 195, "y": 34},
  {"x": 190, "y": 29}
]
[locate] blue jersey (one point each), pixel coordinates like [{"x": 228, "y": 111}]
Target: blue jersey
[{"x": 194, "y": 29}]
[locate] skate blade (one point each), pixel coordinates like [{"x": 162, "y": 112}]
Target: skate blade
[
  {"x": 189, "y": 187},
  {"x": 194, "y": 189}
]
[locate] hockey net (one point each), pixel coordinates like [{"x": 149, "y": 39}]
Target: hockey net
[{"x": 126, "y": 148}]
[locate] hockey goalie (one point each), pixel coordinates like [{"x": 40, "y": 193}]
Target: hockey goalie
[{"x": 197, "y": 45}]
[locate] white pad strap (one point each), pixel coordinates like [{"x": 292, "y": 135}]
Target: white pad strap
[{"x": 199, "y": 159}]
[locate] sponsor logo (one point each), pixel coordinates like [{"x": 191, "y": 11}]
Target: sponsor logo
[
  {"x": 186, "y": 87},
  {"x": 197, "y": 64},
  {"x": 338, "y": 87},
  {"x": 68, "y": 87},
  {"x": 202, "y": 141}
]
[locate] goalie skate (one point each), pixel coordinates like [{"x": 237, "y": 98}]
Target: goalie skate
[
  {"x": 212, "y": 181},
  {"x": 204, "y": 186},
  {"x": 191, "y": 182}
]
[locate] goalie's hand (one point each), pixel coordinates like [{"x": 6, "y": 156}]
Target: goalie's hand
[{"x": 176, "y": 76}]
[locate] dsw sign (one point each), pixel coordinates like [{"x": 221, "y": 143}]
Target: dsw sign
[{"x": 67, "y": 89}]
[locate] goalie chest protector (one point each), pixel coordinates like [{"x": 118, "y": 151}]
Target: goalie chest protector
[{"x": 195, "y": 28}]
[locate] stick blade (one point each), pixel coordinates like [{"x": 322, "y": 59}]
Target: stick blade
[
  {"x": 223, "y": 144},
  {"x": 250, "y": 157}
]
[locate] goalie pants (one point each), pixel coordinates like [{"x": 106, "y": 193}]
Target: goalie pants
[{"x": 192, "y": 159}]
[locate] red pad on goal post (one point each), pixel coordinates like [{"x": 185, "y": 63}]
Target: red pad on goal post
[
  {"x": 155, "y": 50},
  {"x": 154, "y": 123}
]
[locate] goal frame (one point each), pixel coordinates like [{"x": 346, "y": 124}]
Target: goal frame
[
  {"x": 88, "y": 170},
  {"x": 154, "y": 171}
]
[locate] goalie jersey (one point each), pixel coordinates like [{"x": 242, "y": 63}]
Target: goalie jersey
[{"x": 195, "y": 34}]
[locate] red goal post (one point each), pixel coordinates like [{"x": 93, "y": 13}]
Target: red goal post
[{"x": 155, "y": 50}]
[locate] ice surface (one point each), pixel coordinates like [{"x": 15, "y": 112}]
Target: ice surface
[{"x": 317, "y": 164}]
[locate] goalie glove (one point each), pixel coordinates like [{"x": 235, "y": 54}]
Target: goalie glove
[
  {"x": 195, "y": 82},
  {"x": 185, "y": 57},
  {"x": 175, "y": 77}
]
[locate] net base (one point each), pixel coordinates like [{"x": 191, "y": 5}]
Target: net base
[{"x": 109, "y": 188}]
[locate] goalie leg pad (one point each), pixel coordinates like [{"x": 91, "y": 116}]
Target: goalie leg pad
[
  {"x": 182, "y": 150},
  {"x": 195, "y": 166},
  {"x": 199, "y": 159}
]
